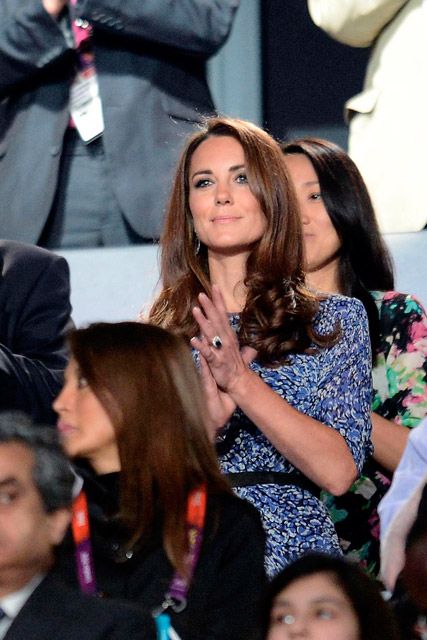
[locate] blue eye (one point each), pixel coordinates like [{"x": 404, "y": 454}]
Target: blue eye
[
  {"x": 203, "y": 182},
  {"x": 315, "y": 196},
  {"x": 242, "y": 178}
]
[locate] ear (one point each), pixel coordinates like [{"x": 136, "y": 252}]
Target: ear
[{"x": 58, "y": 524}]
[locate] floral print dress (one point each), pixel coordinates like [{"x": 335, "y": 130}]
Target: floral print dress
[
  {"x": 332, "y": 385},
  {"x": 399, "y": 394}
]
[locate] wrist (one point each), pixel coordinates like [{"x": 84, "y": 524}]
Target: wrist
[{"x": 240, "y": 386}]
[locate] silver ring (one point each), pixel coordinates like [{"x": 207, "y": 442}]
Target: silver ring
[{"x": 216, "y": 342}]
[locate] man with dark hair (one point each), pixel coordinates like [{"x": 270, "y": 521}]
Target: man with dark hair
[
  {"x": 36, "y": 484},
  {"x": 34, "y": 319}
]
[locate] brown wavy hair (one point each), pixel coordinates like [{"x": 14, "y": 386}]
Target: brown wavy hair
[
  {"x": 147, "y": 382},
  {"x": 279, "y": 310}
]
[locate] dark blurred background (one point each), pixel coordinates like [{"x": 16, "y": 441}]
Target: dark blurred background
[{"x": 306, "y": 76}]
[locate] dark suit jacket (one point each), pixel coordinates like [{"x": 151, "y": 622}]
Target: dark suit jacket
[
  {"x": 150, "y": 57},
  {"x": 34, "y": 318},
  {"x": 55, "y": 612}
]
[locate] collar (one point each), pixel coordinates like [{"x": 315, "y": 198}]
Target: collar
[{"x": 13, "y": 602}]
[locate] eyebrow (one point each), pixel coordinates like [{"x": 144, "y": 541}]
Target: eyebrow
[
  {"x": 8, "y": 481},
  {"x": 310, "y": 182},
  {"x": 320, "y": 600},
  {"x": 209, "y": 172}
]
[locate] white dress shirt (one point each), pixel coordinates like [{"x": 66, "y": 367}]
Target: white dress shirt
[{"x": 13, "y": 603}]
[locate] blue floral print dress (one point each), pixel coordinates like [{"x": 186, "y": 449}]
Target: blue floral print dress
[{"x": 332, "y": 385}]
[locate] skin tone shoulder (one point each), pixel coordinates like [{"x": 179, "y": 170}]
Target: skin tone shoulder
[
  {"x": 313, "y": 607},
  {"x": 229, "y": 221},
  {"x": 322, "y": 247}
]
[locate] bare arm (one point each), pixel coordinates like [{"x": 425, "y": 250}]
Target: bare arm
[
  {"x": 389, "y": 439},
  {"x": 400, "y": 378}
]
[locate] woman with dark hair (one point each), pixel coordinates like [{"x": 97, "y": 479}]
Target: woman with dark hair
[
  {"x": 346, "y": 254},
  {"x": 321, "y": 597},
  {"x": 286, "y": 374},
  {"x": 165, "y": 528}
]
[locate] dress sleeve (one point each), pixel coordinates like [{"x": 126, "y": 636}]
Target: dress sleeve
[
  {"x": 30, "y": 40},
  {"x": 403, "y": 326},
  {"x": 354, "y": 22},
  {"x": 34, "y": 355},
  {"x": 192, "y": 26},
  {"x": 343, "y": 398}
]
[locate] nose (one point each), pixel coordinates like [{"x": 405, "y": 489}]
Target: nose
[
  {"x": 297, "y": 628},
  {"x": 62, "y": 399},
  {"x": 223, "y": 194},
  {"x": 304, "y": 214}
]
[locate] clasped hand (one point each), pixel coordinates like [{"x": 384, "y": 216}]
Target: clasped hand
[{"x": 223, "y": 364}]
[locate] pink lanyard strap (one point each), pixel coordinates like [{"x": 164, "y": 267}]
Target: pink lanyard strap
[
  {"x": 82, "y": 30},
  {"x": 83, "y": 545},
  {"x": 176, "y": 596}
]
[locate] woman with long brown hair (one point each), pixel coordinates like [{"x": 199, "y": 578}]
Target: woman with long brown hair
[
  {"x": 165, "y": 528},
  {"x": 286, "y": 374}
]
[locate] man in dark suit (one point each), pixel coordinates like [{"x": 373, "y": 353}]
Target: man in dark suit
[
  {"x": 146, "y": 60},
  {"x": 34, "y": 319},
  {"x": 36, "y": 484}
]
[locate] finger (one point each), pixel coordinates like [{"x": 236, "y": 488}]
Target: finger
[
  {"x": 217, "y": 317},
  {"x": 206, "y": 349},
  {"x": 211, "y": 331},
  {"x": 204, "y": 323},
  {"x": 206, "y": 376}
]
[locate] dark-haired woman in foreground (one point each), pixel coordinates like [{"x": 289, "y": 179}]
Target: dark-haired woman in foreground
[
  {"x": 346, "y": 254},
  {"x": 323, "y": 598},
  {"x": 286, "y": 374},
  {"x": 164, "y": 524}
]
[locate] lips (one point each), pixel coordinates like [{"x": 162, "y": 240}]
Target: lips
[
  {"x": 64, "y": 428},
  {"x": 225, "y": 219}
]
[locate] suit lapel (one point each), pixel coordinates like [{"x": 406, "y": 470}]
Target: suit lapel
[{"x": 44, "y": 613}]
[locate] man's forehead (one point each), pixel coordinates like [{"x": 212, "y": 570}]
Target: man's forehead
[{"x": 16, "y": 461}]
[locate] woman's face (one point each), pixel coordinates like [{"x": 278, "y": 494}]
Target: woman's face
[
  {"x": 85, "y": 428},
  {"x": 320, "y": 238},
  {"x": 313, "y": 607},
  {"x": 227, "y": 216}
]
